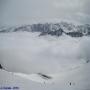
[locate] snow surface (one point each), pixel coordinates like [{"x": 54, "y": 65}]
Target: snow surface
[{"x": 23, "y": 55}]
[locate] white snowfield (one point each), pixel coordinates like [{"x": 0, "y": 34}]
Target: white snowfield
[{"x": 65, "y": 59}]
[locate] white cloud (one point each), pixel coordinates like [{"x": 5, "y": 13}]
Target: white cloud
[
  {"x": 68, "y": 4},
  {"x": 84, "y": 15}
]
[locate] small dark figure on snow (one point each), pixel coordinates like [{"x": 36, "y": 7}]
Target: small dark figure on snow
[
  {"x": 0, "y": 66},
  {"x": 70, "y": 83}
]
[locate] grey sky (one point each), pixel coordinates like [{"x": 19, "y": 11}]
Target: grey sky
[{"x": 14, "y": 12}]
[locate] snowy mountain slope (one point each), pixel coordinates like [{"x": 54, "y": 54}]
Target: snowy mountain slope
[
  {"x": 24, "y": 56},
  {"x": 79, "y": 79}
]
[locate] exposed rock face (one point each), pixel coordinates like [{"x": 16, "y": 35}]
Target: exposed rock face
[
  {"x": 54, "y": 29},
  {"x": 75, "y": 34},
  {"x": 53, "y": 33}
]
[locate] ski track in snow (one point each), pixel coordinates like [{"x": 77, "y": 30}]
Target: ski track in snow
[{"x": 39, "y": 79}]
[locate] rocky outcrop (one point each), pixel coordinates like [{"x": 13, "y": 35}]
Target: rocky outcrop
[{"x": 54, "y": 29}]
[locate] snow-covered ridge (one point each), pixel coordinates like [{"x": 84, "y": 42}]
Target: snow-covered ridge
[{"x": 52, "y": 28}]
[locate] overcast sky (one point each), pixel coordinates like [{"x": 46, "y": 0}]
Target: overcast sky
[{"x": 13, "y": 12}]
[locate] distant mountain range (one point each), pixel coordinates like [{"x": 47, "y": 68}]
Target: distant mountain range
[{"x": 56, "y": 29}]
